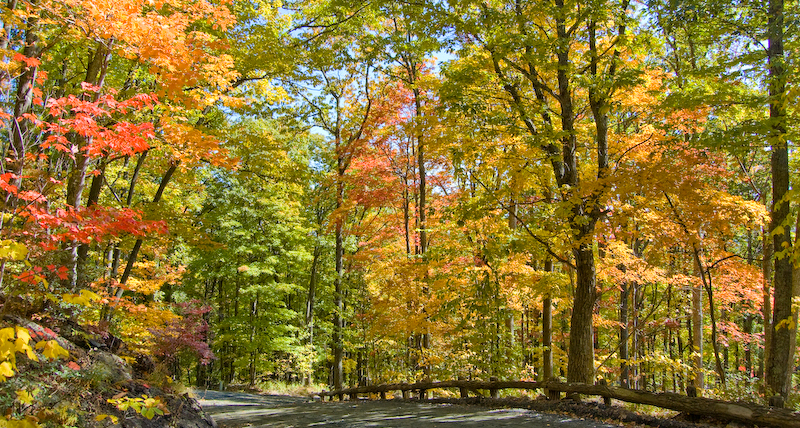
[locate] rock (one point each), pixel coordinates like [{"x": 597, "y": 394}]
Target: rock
[
  {"x": 100, "y": 374},
  {"x": 96, "y": 344},
  {"x": 109, "y": 367},
  {"x": 182, "y": 411},
  {"x": 776, "y": 401},
  {"x": 39, "y": 333},
  {"x": 144, "y": 365}
]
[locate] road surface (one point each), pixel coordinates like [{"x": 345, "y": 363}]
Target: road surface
[{"x": 237, "y": 410}]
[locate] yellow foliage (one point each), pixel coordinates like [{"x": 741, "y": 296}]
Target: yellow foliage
[
  {"x": 103, "y": 416},
  {"x": 11, "y": 250},
  {"x": 190, "y": 146},
  {"x": 27, "y": 422},
  {"x": 620, "y": 265},
  {"x": 784, "y": 323},
  {"x": 144, "y": 286},
  {"x": 26, "y": 397},
  {"x": 136, "y": 321},
  {"x": 52, "y": 350},
  {"x": 349, "y": 365},
  {"x": 84, "y": 298},
  {"x": 165, "y": 42},
  {"x": 13, "y": 340},
  {"x": 6, "y": 370},
  {"x": 144, "y": 405}
]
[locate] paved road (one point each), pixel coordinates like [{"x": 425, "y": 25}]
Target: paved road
[{"x": 237, "y": 410}]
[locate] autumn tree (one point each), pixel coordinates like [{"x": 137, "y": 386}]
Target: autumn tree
[
  {"x": 340, "y": 105},
  {"x": 536, "y": 70},
  {"x": 779, "y": 365},
  {"x": 718, "y": 80},
  {"x": 96, "y": 85}
]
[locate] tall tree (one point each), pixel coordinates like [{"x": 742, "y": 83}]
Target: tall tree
[
  {"x": 779, "y": 365},
  {"x": 537, "y": 70},
  {"x": 343, "y": 110}
]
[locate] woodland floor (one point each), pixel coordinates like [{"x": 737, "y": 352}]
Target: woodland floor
[{"x": 238, "y": 410}]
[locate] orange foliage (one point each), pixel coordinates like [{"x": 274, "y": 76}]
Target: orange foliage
[{"x": 166, "y": 35}]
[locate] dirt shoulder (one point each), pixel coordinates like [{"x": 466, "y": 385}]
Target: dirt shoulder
[{"x": 615, "y": 414}]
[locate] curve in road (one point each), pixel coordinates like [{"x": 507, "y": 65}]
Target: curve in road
[{"x": 238, "y": 410}]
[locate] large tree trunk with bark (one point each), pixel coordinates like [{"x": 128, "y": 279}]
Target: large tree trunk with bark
[
  {"x": 779, "y": 365},
  {"x": 581, "y": 349},
  {"x": 580, "y": 361}
]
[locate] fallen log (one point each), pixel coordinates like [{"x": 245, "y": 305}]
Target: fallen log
[{"x": 737, "y": 411}]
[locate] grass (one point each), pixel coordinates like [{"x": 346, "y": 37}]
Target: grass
[{"x": 296, "y": 389}]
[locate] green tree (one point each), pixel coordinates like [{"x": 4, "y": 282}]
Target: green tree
[{"x": 258, "y": 249}]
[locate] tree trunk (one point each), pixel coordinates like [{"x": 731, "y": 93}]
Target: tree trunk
[
  {"x": 407, "y": 216},
  {"x": 310, "y": 300},
  {"x": 581, "y": 352},
  {"x": 116, "y": 253},
  {"x": 138, "y": 244},
  {"x": 95, "y": 75},
  {"x": 83, "y": 249},
  {"x": 547, "y": 330},
  {"x": 766, "y": 308},
  {"x": 411, "y": 68},
  {"x": 624, "y": 376},
  {"x": 510, "y": 324},
  {"x": 697, "y": 336},
  {"x": 134, "y": 254},
  {"x": 253, "y": 348},
  {"x": 748, "y": 318},
  {"x": 423, "y": 207},
  {"x": 779, "y": 364},
  {"x": 580, "y": 356},
  {"x": 5, "y": 36},
  {"x": 338, "y": 302},
  {"x": 22, "y": 105}
]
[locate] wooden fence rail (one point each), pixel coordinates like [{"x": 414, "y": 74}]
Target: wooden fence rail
[{"x": 738, "y": 411}]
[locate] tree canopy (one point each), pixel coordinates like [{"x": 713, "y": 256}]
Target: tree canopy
[{"x": 342, "y": 192}]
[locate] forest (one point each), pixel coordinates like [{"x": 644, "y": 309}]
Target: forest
[{"x": 341, "y": 193}]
